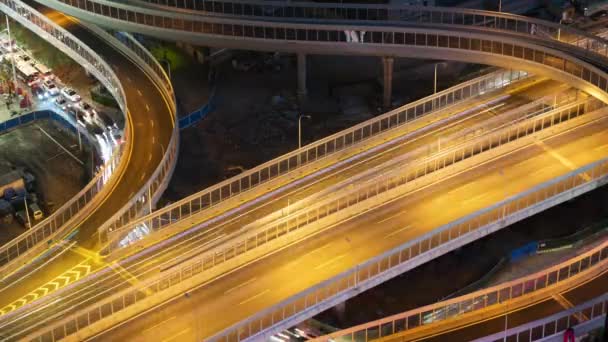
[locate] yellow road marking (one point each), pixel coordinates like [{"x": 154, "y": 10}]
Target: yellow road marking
[
  {"x": 398, "y": 231},
  {"x": 49, "y": 286},
  {"x": 160, "y": 323},
  {"x": 240, "y": 285},
  {"x": 390, "y": 217},
  {"x": 568, "y": 305}
]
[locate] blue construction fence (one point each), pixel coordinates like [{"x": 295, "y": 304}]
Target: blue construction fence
[
  {"x": 33, "y": 116},
  {"x": 197, "y": 115}
]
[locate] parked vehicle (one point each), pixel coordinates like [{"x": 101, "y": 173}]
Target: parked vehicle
[
  {"x": 70, "y": 94},
  {"x": 62, "y": 103},
  {"x": 22, "y": 218},
  {"x": 36, "y": 211},
  {"x": 50, "y": 89}
]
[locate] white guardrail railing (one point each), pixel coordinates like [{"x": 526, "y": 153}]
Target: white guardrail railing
[
  {"x": 232, "y": 17},
  {"x": 248, "y": 180},
  {"x": 145, "y": 199},
  {"x": 582, "y": 319},
  {"x": 474, "y": 301},
  {"x": 186, "y": 275},
  {"x": 58, "y": 223}
]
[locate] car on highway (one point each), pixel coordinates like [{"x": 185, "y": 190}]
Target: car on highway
[
  {"x": 50, "y": 88},
  {"x": 87, "y": 109},
  {"x": 62, "y": 103},
  {"x": 70, "y": 94}
]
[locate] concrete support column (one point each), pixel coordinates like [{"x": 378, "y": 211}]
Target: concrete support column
[
  {"x": 387, "y": 69},
  {"x": 301, "y": 75}
]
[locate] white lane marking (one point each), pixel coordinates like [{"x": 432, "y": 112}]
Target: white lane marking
[
  {"x": 151, "y": 122},
  {"x": 318, "y": 267},
  {"x": 142, "y": 176},
  {"x": 316, "y": 250},
  {"x": 254, "y": 297},
  {"x": 398, "y": 231},
  {"x": 147, "y": 107},
  {"x": 241, "y": 285},
  {"x": 160, "y": 323},
  {"x": 154, "y": 139},
  {"x": 150, "y": 157},
  {"x": 176, "y": 335},
  {"x": 390, "y": 217},
  {"x": 139, "y": 92}
]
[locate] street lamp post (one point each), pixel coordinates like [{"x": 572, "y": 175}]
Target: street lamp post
[
  {"x": 499, "y": 5},
  {"x": 27, "y": 212},
  {"x": 300, "y": 134}
]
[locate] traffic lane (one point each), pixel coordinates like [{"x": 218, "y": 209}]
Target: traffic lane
[
  {"x": 92, "y": 290},
  {"x": 295, "y": 269},
  {"x": 147, "y": 153},
  {"x": 87, "y": 292},
  {"x": 587, "y": 291},
  {"x": 493, "y": 325},
  {"x": 578, "y": 295}
]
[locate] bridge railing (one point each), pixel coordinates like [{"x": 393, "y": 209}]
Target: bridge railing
[
  {"x": 378, "y": 39},
  {"x": 49, "y": 230},
  {"x": 474, "y": 301},
  {"x": 308, "y": 154},
  {"x": 183, "y": 274},
  {"x": 392, "y": 14},
  {"x": 393, "y": 262},
  {"x": 143, "y": 201},
  {"x": 582, "y": 318}
]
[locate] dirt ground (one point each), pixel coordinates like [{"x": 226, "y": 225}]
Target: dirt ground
[
  {"x": 257, "y": 110},
  {"x": 421, "y": 287},
  {"x": 58, "y": 176}
]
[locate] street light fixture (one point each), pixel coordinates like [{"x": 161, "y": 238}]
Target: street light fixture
[{"x": 300, "y": 134}]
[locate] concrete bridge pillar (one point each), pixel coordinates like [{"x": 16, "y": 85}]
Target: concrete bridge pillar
[
  {"x": 301, "y": 75},
  {"x": 387, "y": 69}
]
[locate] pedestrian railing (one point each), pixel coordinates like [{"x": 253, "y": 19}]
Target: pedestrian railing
[
  {"x": 478, "y": 300},
  {"x": 49, "y": 231},
  {"x": 361, "y": 277},
  {"x": 581, "y": 319},
  {"x": 329, "y": 146}
]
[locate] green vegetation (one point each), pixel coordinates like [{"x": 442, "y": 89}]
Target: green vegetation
[
  {"x": 176, "y": 57},
  {"x": 100, "y": 95},
  {"x": 40, "y": 48}
]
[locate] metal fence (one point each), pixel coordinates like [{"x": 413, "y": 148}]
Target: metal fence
[
  {"x": 199, "y": 114},
  {"x": 308, "y": 154},
  {"x": 228, "y": 18},
  {"x": 393, "y": 262},
  {"x": 143, "y": 201},
  {"x": 438, "y": 312},
  {"x": 587, "y": 316},
  {"x": 57, "y": 223},
  {"x": 360, "y": 276}
]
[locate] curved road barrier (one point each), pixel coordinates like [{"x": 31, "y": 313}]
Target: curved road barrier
[
  {"x": 21, "y": 249},
  {"x": 478, "y": 300}
]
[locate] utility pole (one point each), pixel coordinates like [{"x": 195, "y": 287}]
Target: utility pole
[{"x": 27, "y": 212}]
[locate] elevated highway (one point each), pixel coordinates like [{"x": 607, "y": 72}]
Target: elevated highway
[
  {"x": 525, "y": 98},
  {"x": 556, "y": 154},
  {"x": 495, "y": 310},
  {"x": 150, "y": 117}
]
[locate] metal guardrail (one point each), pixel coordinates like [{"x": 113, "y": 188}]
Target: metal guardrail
[
  {"x": 388, "y": 14},
  {"x": 184, "y": 272},
  {"x": 147, "y": 196},
  {"x": 239, "y": 18},
  {"x": 589, "y": 315},
  {"x": 388, "y": 264},
  {"x": 474, "y": 301},
  {"x": 318, "y": 150},
  {"x": 58, "y": 223}
]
